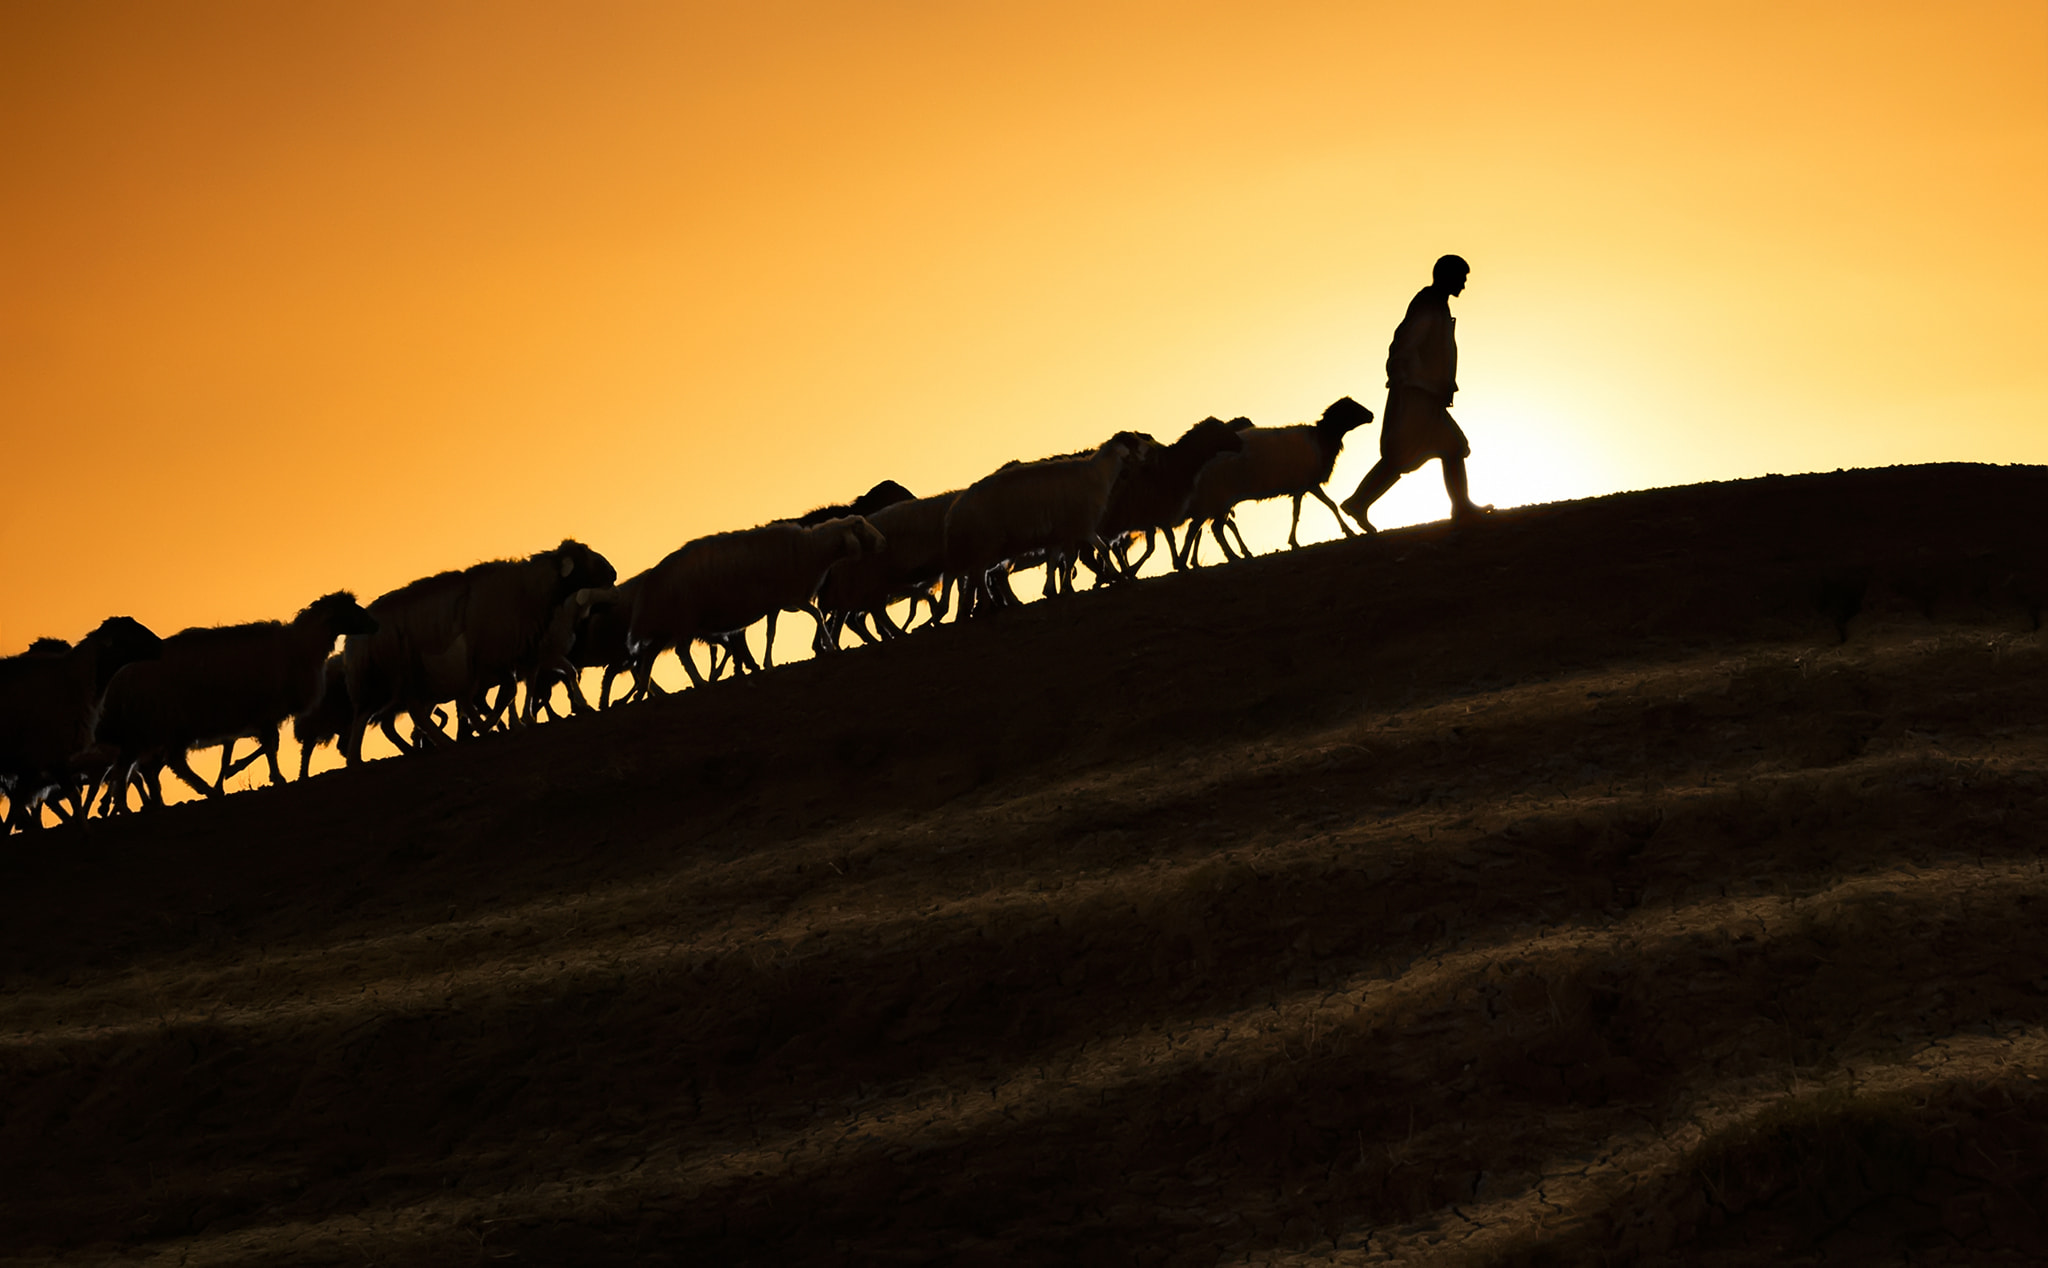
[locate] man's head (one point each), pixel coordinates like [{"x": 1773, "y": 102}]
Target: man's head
[{"x": 1450, "y": 273}]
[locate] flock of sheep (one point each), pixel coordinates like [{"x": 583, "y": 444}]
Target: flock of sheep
[{"x": 93, "y": 725}]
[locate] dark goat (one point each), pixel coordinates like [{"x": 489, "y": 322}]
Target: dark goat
[
  {"x": 1152, "y": 493},
  {"x": 50, "y": 703}
]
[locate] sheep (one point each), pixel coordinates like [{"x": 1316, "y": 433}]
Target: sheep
[
  {"x": 887, "y": 493},
  {"x": 1275, "y": 462},
  {"x": 453, "y": 636},
  {"x": 732, "y": 645},
  {"x": 50, "y": 702},
  {"x": 1153, "y": 491},
  {"x": 728, "y": 581},
  {"x": 600, "y": 641},
  {"x": 68, "y": 793},
  {"x": 907, "y": 567},
  {"x": 328, "y": 717},
  {"x": 217, "y": 686},
  {"x": 1051, "y": 506},
  {"x": 559, "y": 661},
  {"x": 416, "y": 659}
]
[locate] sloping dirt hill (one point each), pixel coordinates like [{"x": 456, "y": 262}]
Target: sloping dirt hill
[{"x": 1658, "y": 877}]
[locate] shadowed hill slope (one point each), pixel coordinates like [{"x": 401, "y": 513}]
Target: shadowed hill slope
[{"x": 1653, "y": 874}]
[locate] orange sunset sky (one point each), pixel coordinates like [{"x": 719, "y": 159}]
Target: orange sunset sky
[{"x": 308, "y": 296}]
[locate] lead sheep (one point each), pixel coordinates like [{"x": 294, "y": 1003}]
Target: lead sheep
[
  {"x": 455, "y": 635},
  {"x": 1276, "y": 462},
  {"x": 1052, "y": 508},
  {"x": 724, "y": 583},
  {"x": 50, "y": 704},
  {"x": 220, "y": 685}
]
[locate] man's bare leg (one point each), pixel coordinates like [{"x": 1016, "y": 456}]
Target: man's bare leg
[
  {"x": 1462, "y": 506},
  {"x": 1377, "y": 481}
]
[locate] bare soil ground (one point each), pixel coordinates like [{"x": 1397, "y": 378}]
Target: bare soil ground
[{"x": 1565, "y": 892}]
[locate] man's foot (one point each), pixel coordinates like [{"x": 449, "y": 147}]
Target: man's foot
[
  {"x": 1470, "y": 513},
  {"x": 1351, "y": 506}
]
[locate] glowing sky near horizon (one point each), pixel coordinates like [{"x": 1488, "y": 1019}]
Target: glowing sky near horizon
[{"x": 304, "y": 297}]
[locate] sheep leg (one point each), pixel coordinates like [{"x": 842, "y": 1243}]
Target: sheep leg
[
  {"x": 151, "y": 776},
  {"x": 184, "y": 771},
  {"x": 482, "y": 713},
  {"x": 350, "y": 741},
  {"x": 116, "y": 800},
  {"x": 690, "y": 664},
  {"x": 1216, "y": 531},
  {"x": 938, "y": 603},
  {"x": 1131, "y": 569},
  {"x": 305, "y": 760},
  {"x": 59, "y": 804},
  {"x": 1294, "y": 525},
  {"x": 573, "y": 681},
  {"x": 768, "y": 646},
  {"x": 1244, "y": 551},
  {"x": 1102, "y": 560},
  {"x": 1342, "y": 522},
  {"x": 120, "y": 777},
  {"x": 999, "y": 591},
  {"x": 426, "y": 730},
  {"x": 270, "y": 745},
  {"x": 228, "y": 769},
  {"x": 1172, "y": 547},
  {"x": 263, "y": 749},
  {"x": 887, "y": 627}
]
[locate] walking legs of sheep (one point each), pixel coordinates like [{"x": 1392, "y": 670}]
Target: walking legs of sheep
[
  {"x": 184, "y": 771},
  {"x": 1342, "y": 521}
]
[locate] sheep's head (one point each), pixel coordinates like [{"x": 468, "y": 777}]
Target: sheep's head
[
  {"x": 120, "y": 640},
  {"x": 858, "y": 538},
  {"x": 1210, "y": 437},
  {"x": 1343, "y": 415},
  {"x": 1135, "y": 444},
  {"x": 48, "y": 647},
  {"x": 340, "y": 613},
  {"x": 887, "y": 493},
  {"x": 579, "y": 567}
]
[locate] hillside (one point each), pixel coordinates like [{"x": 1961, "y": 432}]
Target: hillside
[{"x": 1566, "y": 891}]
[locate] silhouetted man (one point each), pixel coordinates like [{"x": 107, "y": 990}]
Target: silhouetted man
[{"x": 1422, "y": 377}]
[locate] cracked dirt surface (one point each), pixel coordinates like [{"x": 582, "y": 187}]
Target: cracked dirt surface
[{"x": 1565, "y": 893}]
